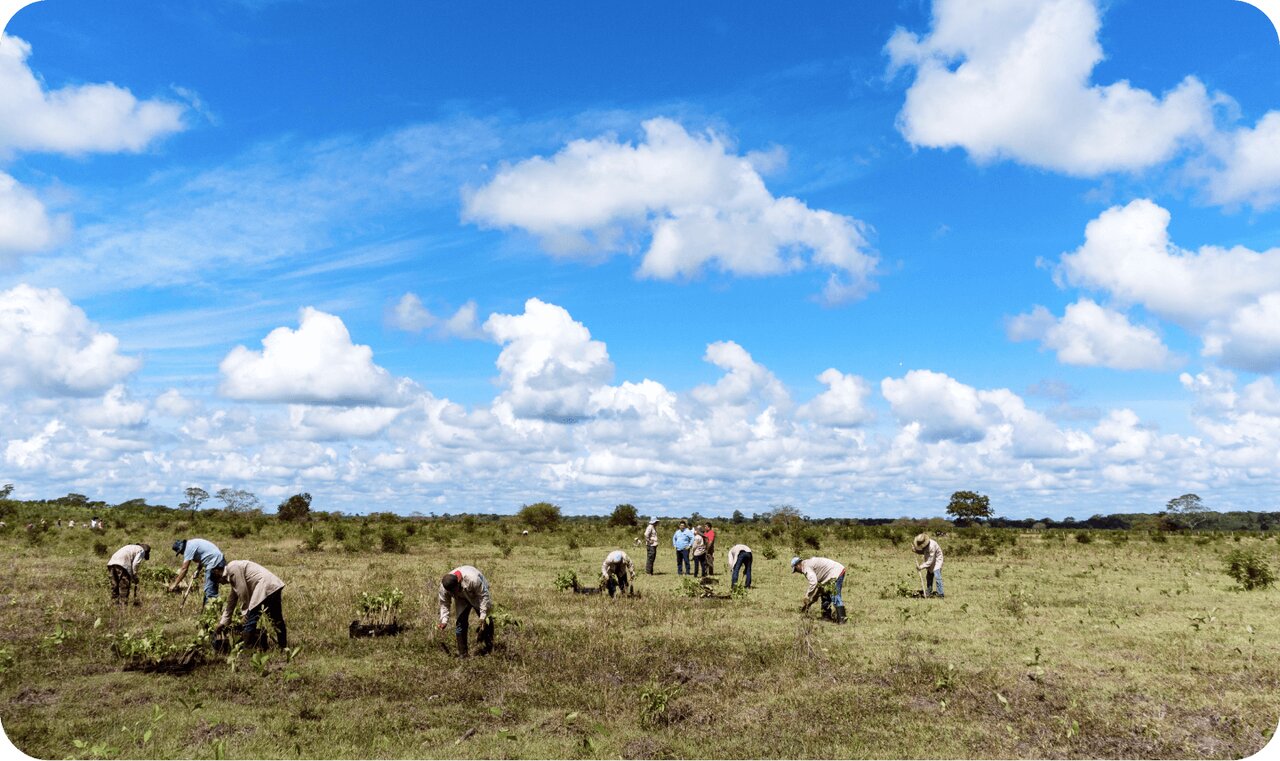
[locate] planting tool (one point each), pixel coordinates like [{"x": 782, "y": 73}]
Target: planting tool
[
  {"x": 924, "y": 590},
  {"x": 191, "y": 582}
]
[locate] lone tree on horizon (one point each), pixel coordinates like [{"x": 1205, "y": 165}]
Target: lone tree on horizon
[
  {"x": 540, "y": 516},
  {"x": 295, "y": 508},
  {"x": 1187, "y": 511},
  {"x": 624, "y": 515},
  {"x": 969, "y": 506}
]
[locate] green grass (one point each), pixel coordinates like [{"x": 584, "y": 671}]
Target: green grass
[{"x": 1044, "y": 649}]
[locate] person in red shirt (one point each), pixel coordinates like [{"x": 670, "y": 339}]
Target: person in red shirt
[{"x": 710, "y": 535}]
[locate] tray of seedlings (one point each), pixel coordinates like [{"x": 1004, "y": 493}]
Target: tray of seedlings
[{"x": 379, "y": 615}]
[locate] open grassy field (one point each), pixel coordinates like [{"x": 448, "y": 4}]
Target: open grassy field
[{"x": 1121, "y": 647}]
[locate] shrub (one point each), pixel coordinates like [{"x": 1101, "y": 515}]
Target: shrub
[
  {"x": 314, "y": 540},
  {"x": 393, "y": 541},
  {"x": 410, "y": 528},
  {"x": 541, "y": 516},
  {"x": 504, "y": 545},
  {"x": 624, "y": 515},
  {"x": 339, "y": 532},
  {"x": 573, "y": 542},
  {"x": 240, "y": 530},
  {"x": 1084, "y": 537},
  {"x": 769, "y": 552},
  {"x": 295, "y": 508},
  {"x": 803, "y": 537},
  {"x": 1159, "y": 538},
  {"x": 1249, "y": 568},
  {"x": 100, "y": 549}
]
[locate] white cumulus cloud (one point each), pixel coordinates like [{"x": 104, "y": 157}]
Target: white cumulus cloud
[
  {"x": 410, "y": 315},
  {"x": 1012, "y": 79},
  {"x": 699, "y": 204},
  {"x": 1093, "y": 336},
  {"x": 315, "y": 364},
  {"x": 25, "y": 224},
  {"x": 48, "y": 346},
  {"x": 843, "y": 404},
  {"x": 549, "y": 364},
  {"x": 75, "y": 119}
]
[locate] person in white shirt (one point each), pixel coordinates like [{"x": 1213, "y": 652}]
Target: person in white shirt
[
  {"x": 466, "y": 588},
  {"x": 616, "y": 572},
  {"x": 932, "y": 563},
  {"x": 740, "y": 559},
  {"x": 123, "y": 567}
]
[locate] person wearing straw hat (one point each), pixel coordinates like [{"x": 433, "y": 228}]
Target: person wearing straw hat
[
  {"x": 932, "y": 563},
  {"x": 819, "y": 571},
  {"x": 651, "y": 545}
]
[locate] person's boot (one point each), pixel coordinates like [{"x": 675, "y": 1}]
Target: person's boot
[
  {"x": 282, "y": 636},
  {"x": 840, "y": 616},
  {"x": 486, "y": 639},
  {"x": 461, "y": 638}
]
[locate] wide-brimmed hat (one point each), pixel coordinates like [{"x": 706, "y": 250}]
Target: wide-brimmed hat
[
  {"x": 652, "y": 521},
  {"x": 920, "y": 541}
]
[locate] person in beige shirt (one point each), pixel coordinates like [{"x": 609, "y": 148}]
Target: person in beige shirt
[
  {"x": 931, "y": 564},
  {"x": 258, "y": 591},
  {"x": 466, "y": 588},
  {"x": 123, "y": 567},
  {"x": 617, "y": 572},
  {"x": 651, "y": 545},
  {"x": 819, "y": 571}
]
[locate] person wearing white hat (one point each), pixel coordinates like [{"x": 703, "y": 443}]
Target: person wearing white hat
[
  {"x": 819, "y": 571},
  {"x": 932, "y": 563},
  {"x": 616, "y": 572},
  {"x": 651, "y": 545}
]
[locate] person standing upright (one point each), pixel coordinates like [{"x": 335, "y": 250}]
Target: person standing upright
[
  {"x": 699, "y": 552},
  {"x": 682, "y": 540},
  {"x": 709, "y": 534},
  {"x": 651, "y": 545}
]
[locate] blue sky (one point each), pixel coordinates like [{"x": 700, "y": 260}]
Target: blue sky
[{"x": 441, "y": 257}]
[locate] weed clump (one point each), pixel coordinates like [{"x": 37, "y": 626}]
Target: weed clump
[
  {"x": 1084, "y": 537},
  {"x": 655, "y": 704},
  {"x": 1249, "y": 568}
]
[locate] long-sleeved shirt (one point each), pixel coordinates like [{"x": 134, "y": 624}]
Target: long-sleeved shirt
[
  {"x": 651, "y": 535},
  {"x": 204, "y": 552},
  {"x": 128, "y": 557},
  {"x": 932, "y": 557},
  {"x": 819, "y": 571},
  {"x": 699, "y": 545},
  {"x": 474, "y": 591},
  {"x": 250, "y": 584},
  {"x": 736, "y": 550},
  {"x": 682, "y": 539},
  {"x": 617, "y": 563}
]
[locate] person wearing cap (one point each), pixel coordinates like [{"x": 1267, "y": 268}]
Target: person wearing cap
[
  {"x": 932, "y": 563},
  {"x": 819, "y": 571},
  {"x": 466, "y": 588},
  {"x": 682, "y": 540},
  {"x": 258, "y": 591},
  {"x": 740, "y": 558},
  {"x": 203, "y": 553},
  {"x": 616, "y": 572},
  {"x": 651, "y": 545},
  {"x": 123, "y": 567}
]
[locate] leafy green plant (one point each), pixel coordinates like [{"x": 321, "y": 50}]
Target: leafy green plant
[
  {"x": 393, "y": 541},
  {"x": 566, "y": 580},
  {"x": 739, "y": 592},
  {"x": 58, "y": 637},
  {"x": 258, "y": 661},
  {"x": 156, "y": 574},
  {"x": 1249, "y": 568},
  {"x": 769, "y": 552},
  {"x": 502, "y": 618},
  {"x": 655, "y": 704},
  {"x": 314, "y": 541}
]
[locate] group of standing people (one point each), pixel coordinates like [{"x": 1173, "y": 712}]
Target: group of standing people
[{"x": 695, "y": 548}]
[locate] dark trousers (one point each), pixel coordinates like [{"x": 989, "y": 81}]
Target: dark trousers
[
  {"x": 699, "y": 565},
  {"x": 651, "y": 555},
  {"x": 121, "y": 584},
  {"x": 682, "y": 561},
  {"x": 462, "y": 623},
  {"x": 709, "y": 561},
  {"x": 744, "y": 562},
  {"x": 618, "y": 582},
  {"x": 270, "y": 606}
]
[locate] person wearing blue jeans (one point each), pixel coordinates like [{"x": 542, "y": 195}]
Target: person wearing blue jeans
[
  {"x": 820, "y": 571},
  {"x": 203, "y": 553},
  {"x": 682, "y": 540},
  {"x": 740, "y": 558}
]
